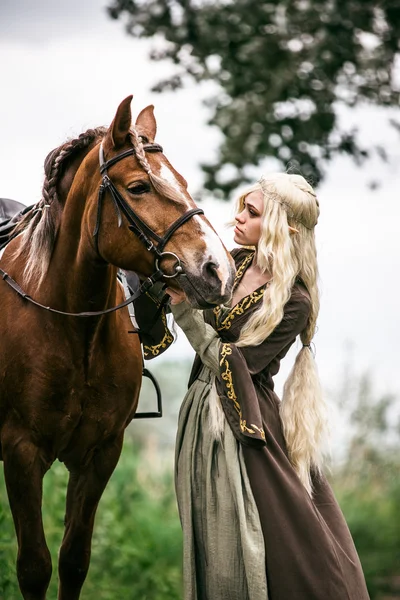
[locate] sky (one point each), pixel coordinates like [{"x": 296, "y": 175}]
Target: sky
[{"x": 65, "y": 66}]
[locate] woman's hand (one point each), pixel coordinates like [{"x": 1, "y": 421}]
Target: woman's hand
[{"x": 177, "y": 296}]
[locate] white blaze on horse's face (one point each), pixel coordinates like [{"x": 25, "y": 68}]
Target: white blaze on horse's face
[
  {"x": 168, "y": 175},
  {"x": 216, "y": 263},
  {"x": 216, "y": 253}
]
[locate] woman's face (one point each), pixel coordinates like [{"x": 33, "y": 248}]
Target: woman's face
[{"x": 248, "y": 222}]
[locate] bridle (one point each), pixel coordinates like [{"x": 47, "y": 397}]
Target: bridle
[
  {"x": 136, "y": 224},
  {"x": 152, "y": 241},
  {"x": 145, "y": 235}
]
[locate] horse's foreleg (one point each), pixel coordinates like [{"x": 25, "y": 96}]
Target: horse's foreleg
[
  {"x": 24, "y": 469},
  {"x": 84, "y": 492}
]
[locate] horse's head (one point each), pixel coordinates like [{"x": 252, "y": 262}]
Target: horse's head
[{"x": 145, "y": 201}]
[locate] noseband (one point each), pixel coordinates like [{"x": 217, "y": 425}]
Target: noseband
[
  {"x": 152, "y": 241},
  {"x": 136, "y": 225}
]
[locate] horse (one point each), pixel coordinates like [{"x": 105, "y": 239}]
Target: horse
[{"x": 69, "y": 385}]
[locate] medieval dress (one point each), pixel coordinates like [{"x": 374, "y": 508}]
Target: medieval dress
[{"x": 251, "y": 530}]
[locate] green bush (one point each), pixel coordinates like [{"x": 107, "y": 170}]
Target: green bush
[
  {"x": 371, "y": 507},
  {"x": 367, "y": 483}
]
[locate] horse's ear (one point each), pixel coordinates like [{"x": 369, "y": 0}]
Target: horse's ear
[
  {"x": 119, "y": 128},
  {"x": 146, "y": 124}
]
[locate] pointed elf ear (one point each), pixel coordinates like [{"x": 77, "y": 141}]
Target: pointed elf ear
[
  {"x": 119, "y": 128},
  {"x": 293, "y": 230},
  {"x": 146, "y": 124}
]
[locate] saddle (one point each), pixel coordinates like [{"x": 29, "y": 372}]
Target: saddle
[
  {"x": 11, "y": 212},
  {"x": 8, "y": 208}
]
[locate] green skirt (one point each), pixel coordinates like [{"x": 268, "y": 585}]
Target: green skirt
[{"x": 223, "y": 546}]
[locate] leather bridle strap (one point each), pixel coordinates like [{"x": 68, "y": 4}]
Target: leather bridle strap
[
  {"x": 104, "y": 165},
  {"x": 169, "y": 233},
  {"x": 140, "y": 228},
  {"x": 147, "y": 236},
  {"x": 95, "y": 313}
]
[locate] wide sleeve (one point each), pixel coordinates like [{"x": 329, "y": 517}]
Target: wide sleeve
[
  {"x": 237, "y": 366},
  {"x": 201, "y": 336},
  {"x": 151, "y": 315}
]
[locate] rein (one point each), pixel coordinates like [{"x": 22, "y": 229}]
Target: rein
[{"x": 95, "y": 313}]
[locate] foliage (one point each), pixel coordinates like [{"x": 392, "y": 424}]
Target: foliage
[
  {"x": 281, "y": 67},
  {"x": 172, "y": 377},
  {"x": 7, "y": 551},
  {"x": 371, "y": 507},
  {"x": 367, "y": 483}
]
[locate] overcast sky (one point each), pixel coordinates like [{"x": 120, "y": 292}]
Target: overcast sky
[{"x": 65, "y": 66}]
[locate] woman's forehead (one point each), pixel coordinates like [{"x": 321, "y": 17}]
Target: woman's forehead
[{"x": 255, "y": 199}]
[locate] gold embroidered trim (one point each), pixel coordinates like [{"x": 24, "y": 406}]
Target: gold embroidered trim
[
  {"x": 240, "y": 308},
  {"x": 226, "y": 350},
  {"x": 242, "y": 268},
  {"x": 238, "y": 276},
  {"x": 165, "y": 342},
  {"x": 217, "y": 312}
]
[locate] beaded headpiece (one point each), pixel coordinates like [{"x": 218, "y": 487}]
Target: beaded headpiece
[{"x": 265, "y": 186}]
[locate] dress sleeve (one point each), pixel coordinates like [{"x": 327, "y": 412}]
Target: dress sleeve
[
  {"x": 150, "y": 314},
  {"x": 235, "y": 385},
  {"x": 201, "y": 336}
]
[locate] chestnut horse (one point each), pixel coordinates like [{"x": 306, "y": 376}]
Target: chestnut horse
[{"x": 69, "y": 386}]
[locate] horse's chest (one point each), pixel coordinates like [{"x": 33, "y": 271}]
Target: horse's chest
[
  {"x": 106, "y": 402},
  {"x": 93, "y": 415},
  {"x": 70, "y": 399}
]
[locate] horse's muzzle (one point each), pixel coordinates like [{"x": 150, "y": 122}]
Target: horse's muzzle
[{"x": 207, "y": 290}]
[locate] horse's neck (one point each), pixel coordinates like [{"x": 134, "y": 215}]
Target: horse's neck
[
  {"x": 75, "y": 264},
  {"x": 87, "y": 282},
  {"x": 67, "y": 178}
]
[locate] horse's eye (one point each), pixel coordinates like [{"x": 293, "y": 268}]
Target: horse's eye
[{"x": 139, "y": 188}]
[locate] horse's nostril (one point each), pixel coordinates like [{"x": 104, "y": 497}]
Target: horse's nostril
[{"x": 210, "y": 270}]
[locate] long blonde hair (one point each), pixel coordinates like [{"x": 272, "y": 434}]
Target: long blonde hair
[{"x": 290, "y": 201}]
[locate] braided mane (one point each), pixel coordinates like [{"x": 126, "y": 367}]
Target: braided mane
[
  {"x": 40, "y": 225},
  {"x": 162, "y": 186}
]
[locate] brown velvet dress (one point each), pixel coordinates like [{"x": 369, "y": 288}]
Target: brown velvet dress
[{"x": 309, "y": 552}]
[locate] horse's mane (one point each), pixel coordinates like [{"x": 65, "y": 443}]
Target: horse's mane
[{"x": 40, "y": 225}]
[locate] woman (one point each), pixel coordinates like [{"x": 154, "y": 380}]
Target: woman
[{"x": 259, "y": 519}]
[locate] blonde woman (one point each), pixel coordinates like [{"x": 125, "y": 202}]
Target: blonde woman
[{"x": 259, "y": 519}]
